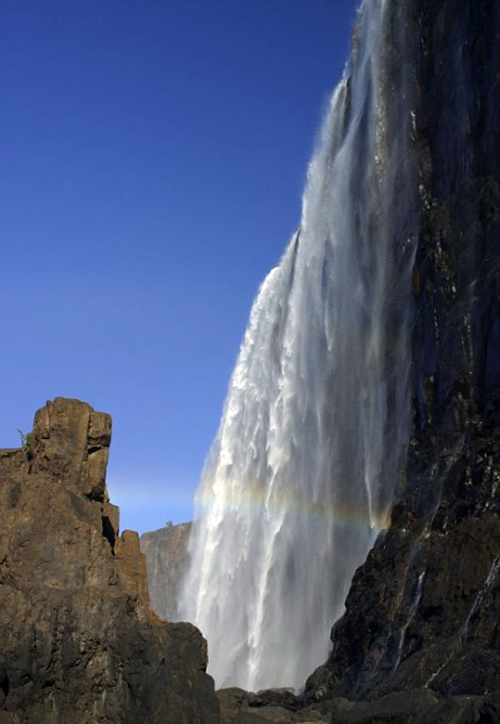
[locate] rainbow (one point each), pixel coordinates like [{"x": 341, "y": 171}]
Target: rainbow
[{"x": 255, "y": 499}]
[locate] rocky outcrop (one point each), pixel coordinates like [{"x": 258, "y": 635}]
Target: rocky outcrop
[
  {"x": 78, "y": 642},
  {"x": 167, "y": 556},
  {"x": 411, "y": 706},
  {"x": 423, "y": 611},
  {"x": 272, "y": 705}
]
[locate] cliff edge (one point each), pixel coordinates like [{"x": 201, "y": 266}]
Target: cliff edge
[{"x": 78, "y": 642}]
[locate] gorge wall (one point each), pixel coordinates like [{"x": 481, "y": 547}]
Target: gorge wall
[
  {"x": 167, "y": 558},
  {"x": 78, "y": 642},
  {"x": 423, "y": 611}
]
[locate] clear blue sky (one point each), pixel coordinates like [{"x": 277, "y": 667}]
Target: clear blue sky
[{"x": 152, "y": 159}]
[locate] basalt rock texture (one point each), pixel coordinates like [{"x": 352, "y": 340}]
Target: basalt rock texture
[
  {"x": 167, "y": 556},
  {"x": 78, "y": 642},
  {"x": 424, "y": 610},
  {"x": 411, "y": 706}
]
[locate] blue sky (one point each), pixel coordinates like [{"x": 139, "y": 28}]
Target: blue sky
[{"x": 153, "y": 155}]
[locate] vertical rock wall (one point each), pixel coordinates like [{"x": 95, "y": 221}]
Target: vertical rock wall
[
  {"x": 423, "y": 611},
  {"x": 167, "y": 556}
]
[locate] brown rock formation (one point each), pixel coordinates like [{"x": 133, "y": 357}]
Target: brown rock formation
[
  {"x": 167, "y": 557},
  {"x": 78, "y": 643}
]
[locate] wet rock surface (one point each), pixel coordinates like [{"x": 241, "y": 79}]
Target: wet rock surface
[
  {"x": 411, "y": 706},
  {"x": 272, "y": 705},
  {"x": 78, "y": 642},
  {"x": 416, "y": 707},
  {"x": 167, "y": 557},
  {"x": 423, "y": 612}
]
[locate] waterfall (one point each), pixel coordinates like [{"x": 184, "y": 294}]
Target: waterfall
[{"x": 311, "y": 445}]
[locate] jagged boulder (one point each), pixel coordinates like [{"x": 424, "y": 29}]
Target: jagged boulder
[{"x": 78, "y": 642}]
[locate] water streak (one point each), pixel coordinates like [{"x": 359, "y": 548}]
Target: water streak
[
  {"x": 412, "y": 610},
  {"x": 302, "y": 473},
  {"x": 483, "y": 592}
]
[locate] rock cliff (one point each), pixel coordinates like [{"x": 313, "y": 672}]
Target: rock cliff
[
  {"x": 423, "y": 611},
  {"x": 78, "y": 642},
  {"x": 167, "y": 558}
]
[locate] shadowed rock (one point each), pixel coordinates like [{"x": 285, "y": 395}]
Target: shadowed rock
[
  {"x": 167, "y": 556},
  {"x": 423, "y": 611}
]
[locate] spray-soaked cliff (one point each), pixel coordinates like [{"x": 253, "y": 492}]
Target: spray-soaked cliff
[
  {"x": 167, "y": 557},
  {"x": 424, "y": 611}
]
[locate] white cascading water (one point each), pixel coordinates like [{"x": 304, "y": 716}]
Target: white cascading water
[{"x": 302, "y": 473}]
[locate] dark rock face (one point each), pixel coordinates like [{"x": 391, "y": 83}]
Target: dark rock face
[
  {"x": 411, "y": 706},
  {"x": 78, "y": 643},
  {"x": 167, "y": 557},
  {"x": 272, "y": 705},
  {"x": 420, "y": 706},
  {"x": 423, "y": 611}
]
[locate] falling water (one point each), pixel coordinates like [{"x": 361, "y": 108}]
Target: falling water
[{"x": 301, "y": 475}]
